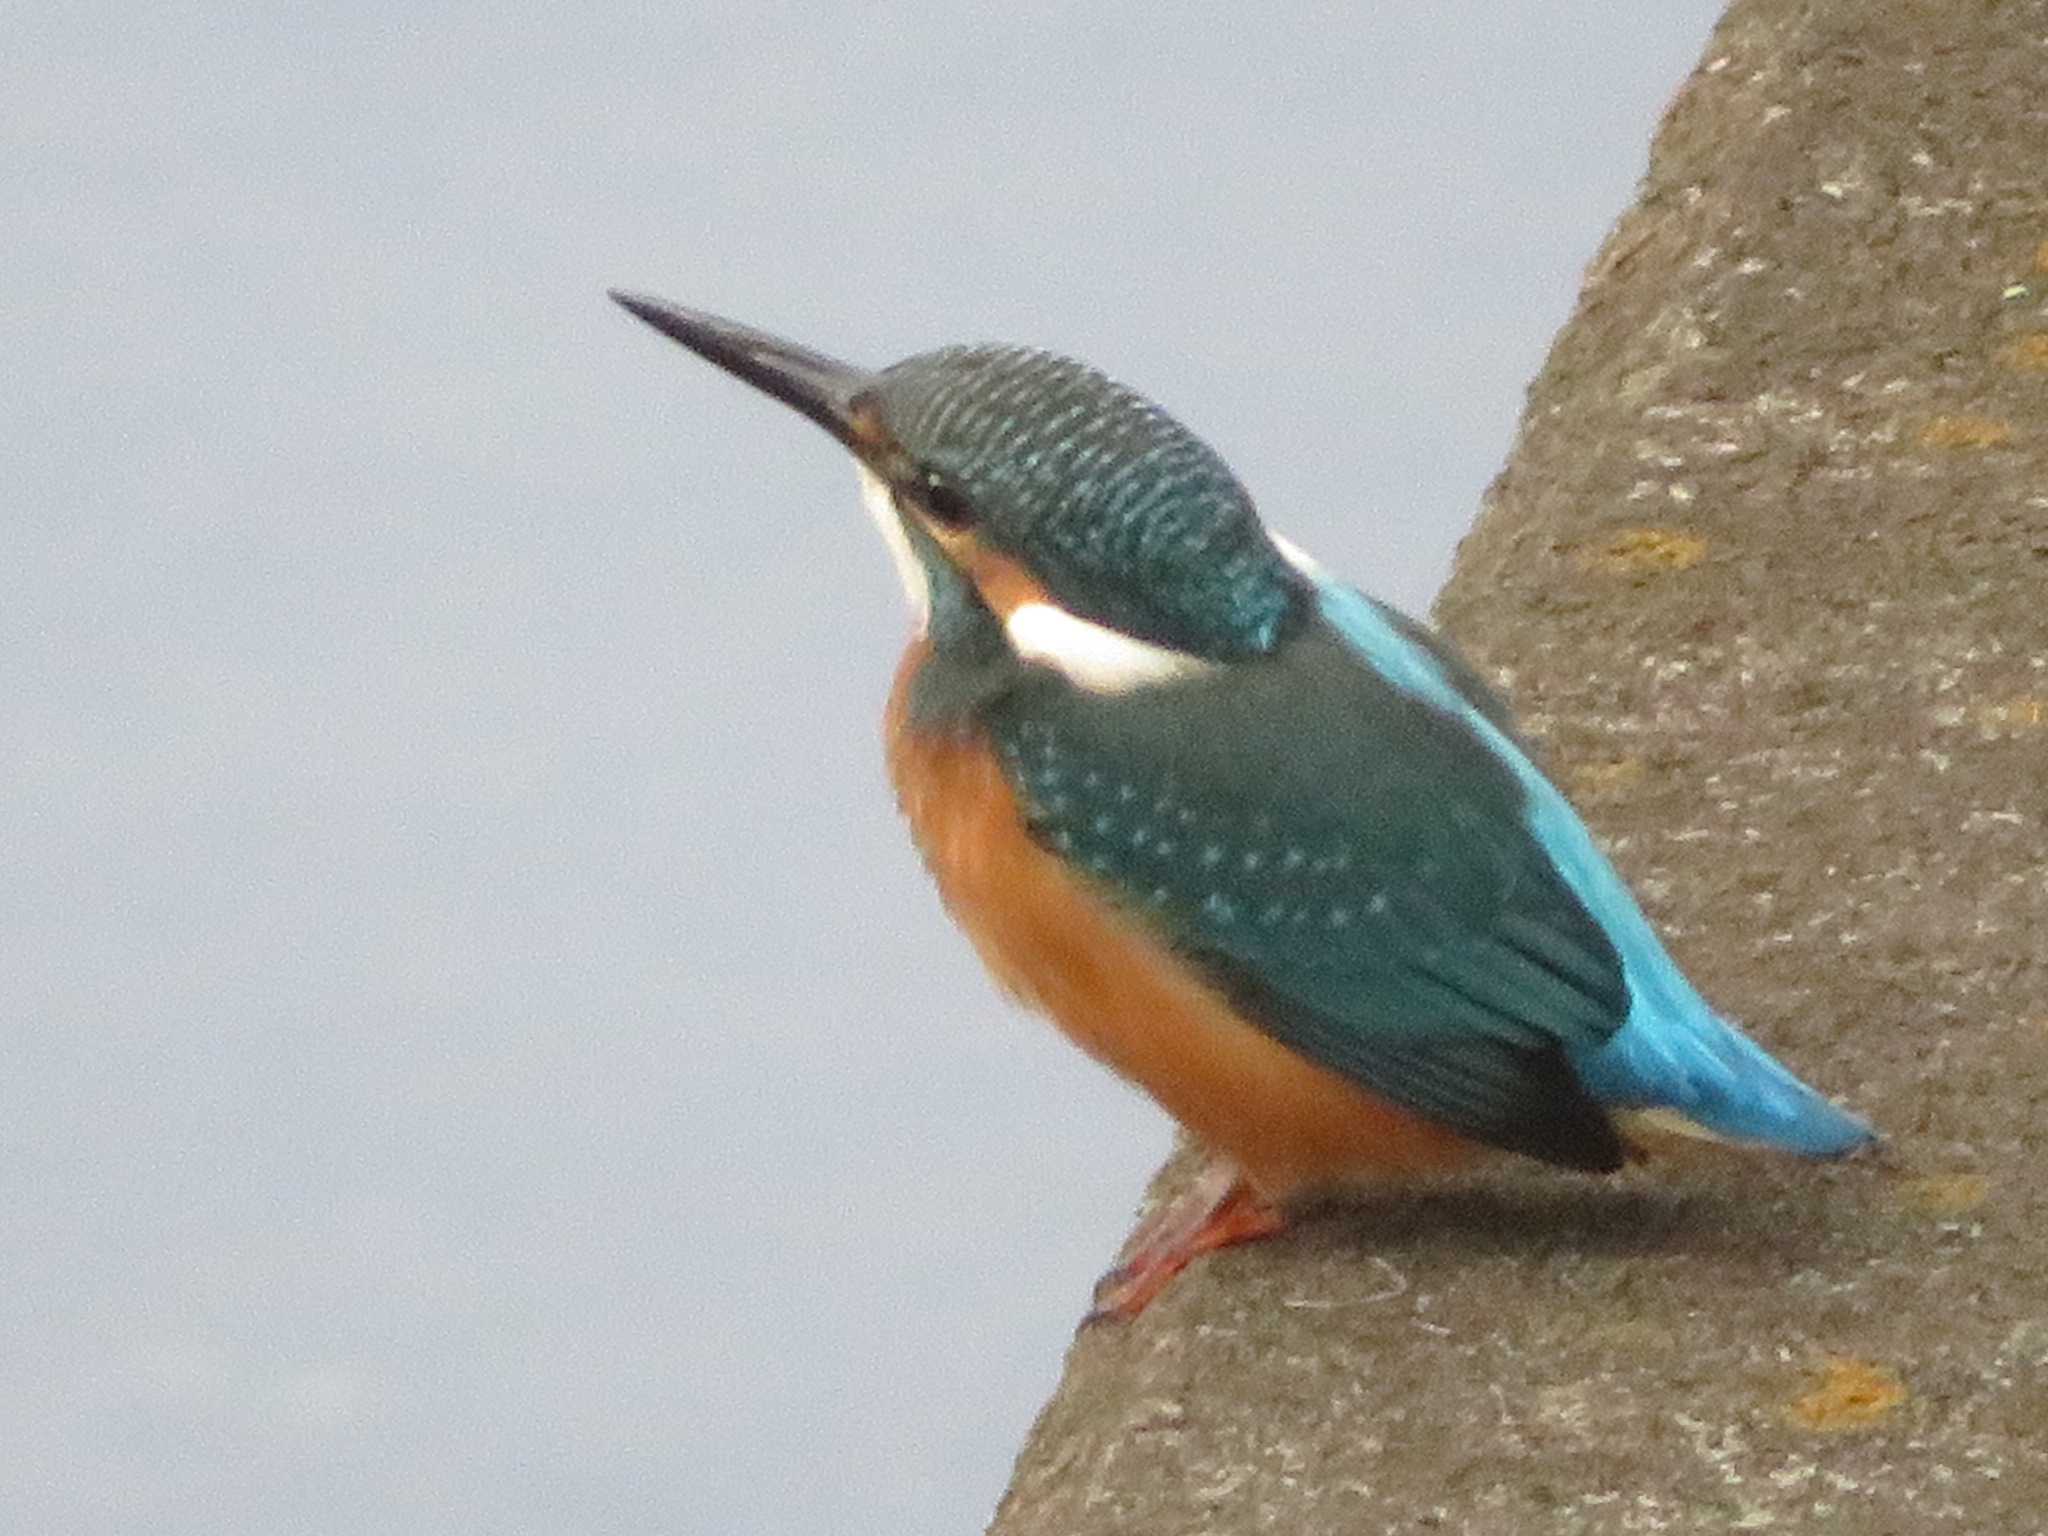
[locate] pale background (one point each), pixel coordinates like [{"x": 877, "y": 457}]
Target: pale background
[{"x": 476, "y": 1051}]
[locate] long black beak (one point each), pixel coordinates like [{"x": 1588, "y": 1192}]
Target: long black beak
[{"x": 822, "y": 387}]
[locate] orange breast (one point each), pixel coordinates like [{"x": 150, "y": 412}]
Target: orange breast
[{"x": 1123, "y": 997}]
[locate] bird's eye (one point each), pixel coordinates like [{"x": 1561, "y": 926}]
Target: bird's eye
[{"x": 948, "y": 508}]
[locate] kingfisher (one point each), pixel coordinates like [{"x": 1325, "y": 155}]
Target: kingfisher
[{"x": 1264, "y": 846}]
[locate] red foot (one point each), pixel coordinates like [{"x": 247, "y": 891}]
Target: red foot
[{"x": 1216, "y": 1211}]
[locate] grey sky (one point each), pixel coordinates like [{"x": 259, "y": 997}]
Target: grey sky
[{"x": 479, "y": 1052}]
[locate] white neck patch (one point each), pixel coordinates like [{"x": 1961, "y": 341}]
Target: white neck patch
[
  {"x": 1298, "y": 557},
  {"x": 876, "y": 496},
  {"x": 1094, "y": 656}
]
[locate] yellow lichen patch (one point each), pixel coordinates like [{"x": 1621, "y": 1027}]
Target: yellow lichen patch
[
  {"x": 1946, "y": 1194},
  {"x": 2022, "y": 712},
  {"x": 1605, "y": 778},
  {"x": 1640, "y": 550},
  {"x": 2029, "y": 354},
  {"x": 1851, "y": 1394},
  {"x": 1966, "y": 432}
]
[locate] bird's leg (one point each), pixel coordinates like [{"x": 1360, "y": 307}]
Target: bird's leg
[{"x": 1217, "y": 1209}]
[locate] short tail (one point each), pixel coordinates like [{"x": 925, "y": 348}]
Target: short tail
[{"x": 1698, "y": 1066}]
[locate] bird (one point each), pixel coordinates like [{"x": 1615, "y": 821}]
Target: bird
[{"x": 1266, "y": 847}]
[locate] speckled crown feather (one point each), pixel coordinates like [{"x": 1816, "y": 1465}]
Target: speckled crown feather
[{"x": 1127, "y": 517}]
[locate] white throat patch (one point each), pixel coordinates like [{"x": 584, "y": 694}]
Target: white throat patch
[
  {"x": 881, "y": 504},
  {"x": 1094, "y": 656}
]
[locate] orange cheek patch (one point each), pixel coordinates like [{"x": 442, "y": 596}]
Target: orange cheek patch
[
  {"x": 1003, "y": 584},
  {"x": 1118, "y": 992}
]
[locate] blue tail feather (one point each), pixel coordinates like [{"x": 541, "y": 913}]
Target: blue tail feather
[{"x": 1673, "y": 1052}]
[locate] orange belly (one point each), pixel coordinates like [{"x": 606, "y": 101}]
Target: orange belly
[{"x": 1124, "y": 998}]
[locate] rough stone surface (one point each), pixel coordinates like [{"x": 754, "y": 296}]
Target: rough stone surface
[{"x": 1768, "y": 577}]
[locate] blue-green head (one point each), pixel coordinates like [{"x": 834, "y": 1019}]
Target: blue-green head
[{"x": 1009, "y": 477}]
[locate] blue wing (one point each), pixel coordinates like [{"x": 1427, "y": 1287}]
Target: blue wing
[
  {"x": 1346, "y": 838},
  {"x": 1348, "y": 865}
]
